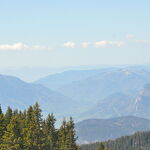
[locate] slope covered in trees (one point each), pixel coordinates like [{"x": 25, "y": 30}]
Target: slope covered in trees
[
  {"x": 93, "y": 130},
  {"x": 28, "y": 130},
  {"x": 138, "y": 141}
]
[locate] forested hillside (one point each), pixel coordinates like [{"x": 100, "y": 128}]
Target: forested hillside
[
  {"x": 138, "y": 141},
  {"x": 27, "y": 130},
  {"x": 93, "y": 130}
]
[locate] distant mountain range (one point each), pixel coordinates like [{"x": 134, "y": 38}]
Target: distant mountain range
[
  {"x": 93, "y": 130},
  {"x": 115, "y": 105},
  {"x": 103, "y": 93},
  {"x": 86, "y": 94},
  {"x": 19, "y": 94},
  {"x": 120, "y": 104},
  {"x": 83, "y": 94},
  {"x": 56, "y": 81},
  {"x": 106, "y": 83}
]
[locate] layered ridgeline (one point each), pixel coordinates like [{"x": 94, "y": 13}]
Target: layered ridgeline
[
  {"x": 27, "y": 130},
  {"x": 83, "y": 94},
  {"x": 55, "y": 81},
  {"x": 104, "y": 93},
  {"x": 19, "y": 94},
  {"x": 138, "y": 141},
  {"x": 93, "y": 130},
  {"x": 91, "y": 86},
  {"x": 119, "y": 104}
]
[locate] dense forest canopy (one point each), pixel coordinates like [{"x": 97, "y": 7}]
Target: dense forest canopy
[
  {"x": 138, "y": 141},
  {"x": 27, "y": 130}
]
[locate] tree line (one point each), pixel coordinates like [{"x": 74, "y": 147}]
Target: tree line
[
  {"x": 138, "y": 141},
  {"x": 27, "y": 130}
]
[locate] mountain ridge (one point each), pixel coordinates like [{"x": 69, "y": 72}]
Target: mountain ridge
[
  {"x": 93, "y": 130},
  {"x": 20, "y": 94}
]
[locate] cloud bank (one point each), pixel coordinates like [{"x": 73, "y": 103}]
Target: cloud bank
[
  {"x": 106, "y": 43},
  {"x": 69, "y": 44},
  {"x": 21, "y": 46},
  {"x": 97, "y": 44}
]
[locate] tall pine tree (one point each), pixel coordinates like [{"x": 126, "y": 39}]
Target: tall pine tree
[
  {"x": 2, "y": 125},
  {"x": 62, "y": 133},
  {"x": 50, "y": 133},
  {"x": 101, "y": 147},
  {"x": 8, "y": 115},
  {"x": 12, "y": 139},
  {"x": 71, "y": 136},
  {"x": 34, "y": 129}
]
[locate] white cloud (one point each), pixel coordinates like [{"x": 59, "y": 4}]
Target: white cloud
[
  {"x": 106, "y": 43},
  {"x": 16, "y": 46},
  {"x": 85, "y": 44},
  {"x": 101, "y": 44},
  {"x": 130, "y": 36},
  {"x": 96, "y": 44},
  {"x": 69, "y": 44},
  {"x": 21, "y": 46},
  {"x": 143, "y": 41}
]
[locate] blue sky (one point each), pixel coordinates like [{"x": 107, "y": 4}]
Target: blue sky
[{"x": 46, "y": 33}]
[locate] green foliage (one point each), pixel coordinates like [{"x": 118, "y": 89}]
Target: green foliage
[
  {"x": 8, "y": 115},
  {"x": 32, "y": 130},
  {"x": 100, "y": 147},
  {"x": 29, "y": 131},
  {"x": 0, "y": 110},
  {"x": 71, "y": 137},
  {"x": 138, "y": 141},
  {"x": 66, "y": 136},
  {"x": 12, "y": 139},
  {"x": 51, "y": 132},
  {"x": 2, "y": 125}
]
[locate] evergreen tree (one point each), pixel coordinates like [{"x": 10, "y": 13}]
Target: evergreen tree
[
  {"x": 62, "y": 136},
  {"x": 2, "y": 125},
  {"x": 101, "y": 147},
  {"x": 50, "y": 133},
  {"x": 34, "y": 129},
  {"x": 8, "y": 115},
  {"x": 15, "y": 112},
  {"x": 71, "y": 136},
  {"x": 12, "y": 139},
  {"x": 66, "y": 137},
  {"x": 0, "y": 110},
  {"x": 28, "y": 130},
  {"x": 38, "y": 126}
]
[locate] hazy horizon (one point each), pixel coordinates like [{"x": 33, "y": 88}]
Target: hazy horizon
[
  {"x": 31, "y": 74},
  {"x": 74, "y": 33}
]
